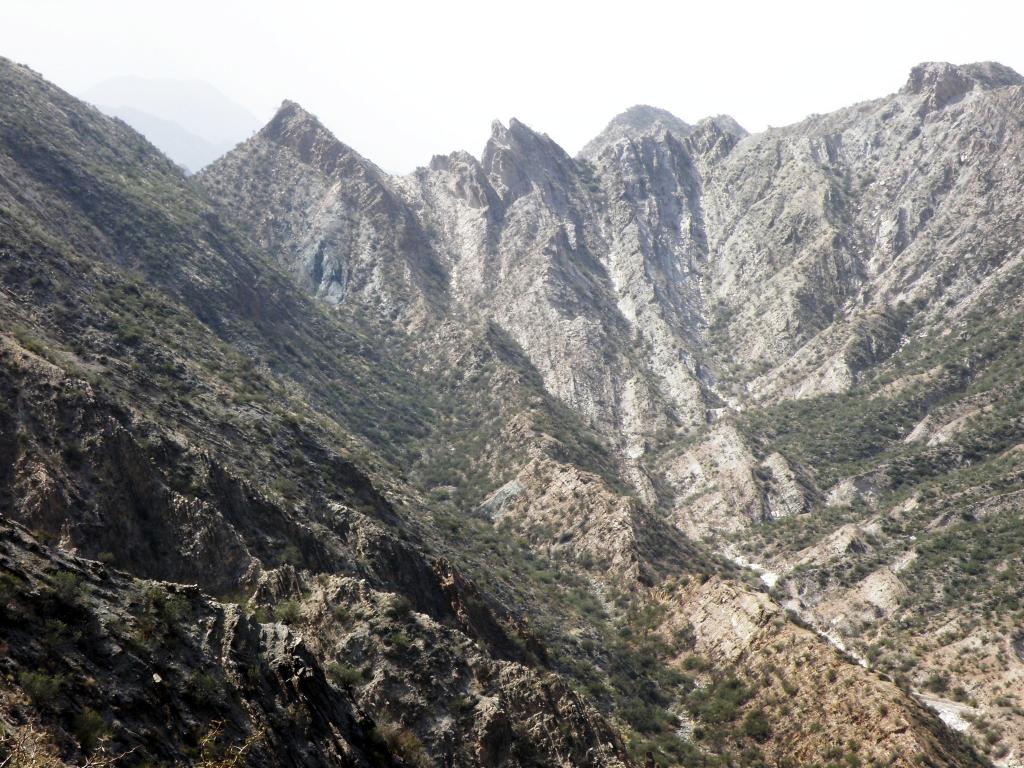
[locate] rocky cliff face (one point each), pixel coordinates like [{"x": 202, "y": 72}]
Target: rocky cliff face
[
  {"x": 781, "y": 263},
  {"x": 840, "y": 232},
  {"x": 467, "y": 467}
]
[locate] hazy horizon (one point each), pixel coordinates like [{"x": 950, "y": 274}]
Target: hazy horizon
[{"x": 401, "y": 82}]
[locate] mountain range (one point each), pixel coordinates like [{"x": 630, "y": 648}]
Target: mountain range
[{"x": 698, "y": 448}]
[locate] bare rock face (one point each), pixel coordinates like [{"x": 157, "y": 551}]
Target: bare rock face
[
  {"x": 847, "y": 256},
  {"x": 785, "y": 494},
  {"x": 727, "y": 620},
  {"x": 721, "y": 486},
  {"x": 943, "y": 84},
  {"x": 531, "y": 264},
  {"x": 330, "y": 216},
  {"x": 635, "y": 121},
  {"x": 161, "y": 666},
  {"x": 571, "y": 514}
]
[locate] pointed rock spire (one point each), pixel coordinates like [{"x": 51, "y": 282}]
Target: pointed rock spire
[
  {"x": 291, "y": 120},
  {"x": 294, "y": 127},
  {"x": 516, "y": 158}
]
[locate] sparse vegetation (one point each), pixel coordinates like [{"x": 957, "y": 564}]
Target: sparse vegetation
[
  {"x": 404, "y": 743},
  {"x": 43, "y": 689},
  {"x": 344, "y": 675},
  {"x": 288, "y": 612},
  {"x": 89, "y": 728}
]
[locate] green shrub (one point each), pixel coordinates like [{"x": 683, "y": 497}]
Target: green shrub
[
  {"x": 646, "y": 718},
  {"x": 261, "y": 614},
  {"x": 66, "y": 587},
  {"x": 719, "y": 702},
  {"x": 695, "y": 663},
  {"x": 399, "y": 640},
  {"x": 938, "y": 682},
  {"x": 345, "y": 675},
  {"x": 170, "y": 609},
  {"x": 341, "y": 614},
  {"x": 401, "y": 741},
  {"x": 42, "y": 689},
  {"x": 287, "y": 612},
  {"x": 399, "y": 608},
  {"x": 756, "y": 726},
  {"x": 9, "y": 589},
  {"x": 56, "y": 634},
  {"x": 204, "y": 687},
  {"x": 89, "y": 728},
  {"x": 292, "y": 555}
]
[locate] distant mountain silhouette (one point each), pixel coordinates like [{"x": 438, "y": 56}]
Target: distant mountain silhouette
[{"x": 190, "y": 120}]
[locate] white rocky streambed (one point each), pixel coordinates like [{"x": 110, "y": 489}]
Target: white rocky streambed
[
  {"x": 952, "y": 713},
  {"x": 768, "y": 577}
]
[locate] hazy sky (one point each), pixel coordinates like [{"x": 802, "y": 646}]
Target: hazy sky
[{"x": 401, "y": 81}]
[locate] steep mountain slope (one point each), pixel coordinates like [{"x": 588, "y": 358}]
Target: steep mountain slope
[
  {"x": 784, "y": 262},
  {"x": 319, "y": 200},
  {"x": 180, "y": 410},
  {"x": 838, "y": 233},
  {"x": 456, "y": 431},
  {"x": 518, "y": 238}
]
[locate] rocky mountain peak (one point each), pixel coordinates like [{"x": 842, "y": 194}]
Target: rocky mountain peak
[
  {"x": 641, "y": 115},
  {"x": 986, "y": 74},
  {"x": 638, "y": 120},
  {"x": 294, "y": 127},
  {"x": 714, "y": 137},
  {"x": 517, "y": 157},
  {"x": 498, "y": 131},
  {"x": 725, "y": 124},
  {"x": 447, "y": 162},
  {"x": 992, "y": 74},
  {"x": 942, "y": 83},
  {"x": 289, "y": 120},
  {"x": 518, "y": 136}
]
